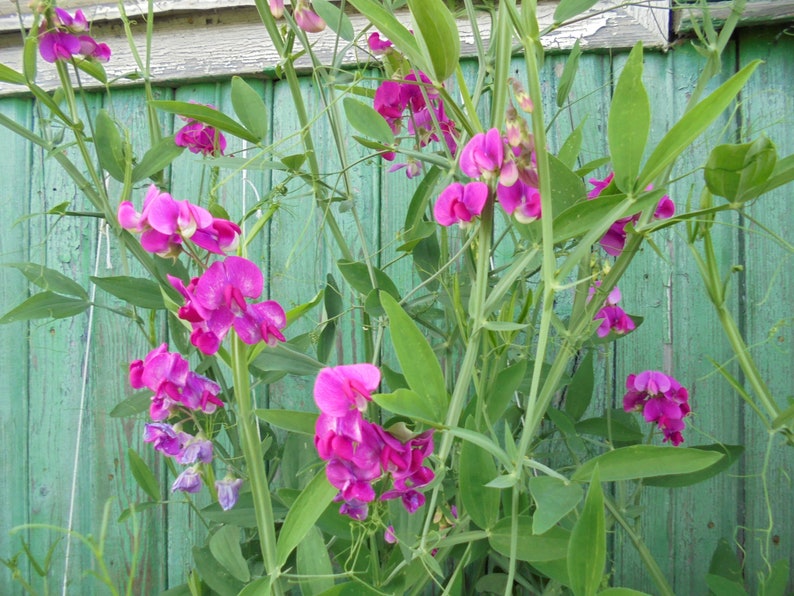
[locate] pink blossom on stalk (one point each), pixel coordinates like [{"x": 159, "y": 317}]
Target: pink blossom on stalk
[
  {"x": 200, "y": 138},
  {"x": 228, "y": 491},
  {"x": 377, "y": 45},
  {"x": 661, "y": 399},
  {"x": 163, "y": 438},
  {"x": 189, "y": 481},
  {"x": 194, "y": 449},
  {"x": 460, "y": 204},
  {"x": 306, "y": 18},
  {"x": 389, "y": 536},
  {"x": 63, "y": 38},
  {"x": 520, "y": 200},
  {"x": 276, "y": 8},
  {"x": 346, "y": 387},
  {"x": 404, "y": 461},
  {"x": 484, "y": 156},
  {"x": 614, "y": 318}
]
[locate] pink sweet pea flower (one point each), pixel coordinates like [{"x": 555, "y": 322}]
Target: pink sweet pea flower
[
  {"x": 484, "y": 156},
  {"x": 188, "y": 481},
  {"x": 661, "y": 399},
  {"x": 276, "y": 8},
  {"x": 163, "y": 438},
  {"x": 340, "y": 389},
  {"x": 306, "y": 18},
  {"x": 460, "y": 204},
  {"x": 228, "y": 491},
  {"x": 63, "y": 38},
  {"x": 377, "y": 45},
  {"x": 520, "y": 200},
  {"x": 200, "y": 138}
]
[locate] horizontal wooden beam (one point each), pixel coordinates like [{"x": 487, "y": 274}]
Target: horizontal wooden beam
[{"x": 756, "y": 12}]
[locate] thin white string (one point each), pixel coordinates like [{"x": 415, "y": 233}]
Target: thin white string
[{"x": 81, "y": 415}]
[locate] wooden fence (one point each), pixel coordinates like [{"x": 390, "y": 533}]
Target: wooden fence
[{"x": 62, "y": 378}]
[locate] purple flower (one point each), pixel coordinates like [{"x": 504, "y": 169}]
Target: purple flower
[
  {"x": 484, "y": 156},
  {"x": 520, "y": 200},
  {"x": 189, "y": 481},
  {"x": 306, "y": 18},
  {"x": 62, "y": 38},
  {"x": 614, "y": 318},
  {"x": 340, "y": 389},
  {"x": 163, "y": 438},
  {"x": 377, "y": 45},
  {"x": 194, "y": 450},
  {"x": 200, "y": 138},
  {"x": 460, "y": 204},
  {"x": 228, "y": 491},
  {"x": 661, "y": 399},
  {"x": 389, "y": 535}
]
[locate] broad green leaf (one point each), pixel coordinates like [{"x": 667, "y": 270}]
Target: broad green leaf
[
  {"x": 241, "y": 515},
  {"x": 109, "y": 146},
  {"x": 569, "y": 152},
  {"x": 476, "y": 468},
  {"x": 313, "y": 560},
  {"x": 49, "y": 279},
  {"x": 143, "y": 475},
  {"x": 646, "y": 461},
  {"x": 503, "y": 389},
  {"x": 284, "y": 358},
  {"x": 421, "y": 198},
  {"x": 303, "y": 514},
  {"x": 297, "y": 312},
  {"x": 335, "y": 18},
  {"x": 250, "y": 108},
  {"x": 405, "y": 402},
  {"x": 437, "y": 35},
  {"x": 45, "y": 305},
  {"x": 587, "y": 549},
  {"x": 554, "y": 499},
  {"x": 566, "y": 187},
  {"x": 776, "y": 582},
  {"x": 551, "y": 546},
  {"x": 156, "y": 159},
  {"x": 567, "y": 9},
  {"x": 214, "y": 574},
  {"x": 357, "y": 275},
  {"x": 9, "y": 75},
  {"x": 618, "y": 426},
  {"x": 255, "y": 588},
  {"x": 724, "y": 587},
  {"x": 782, "y": 174},
  {"x": 93, "y": 69},
  {"x": 206, "y": 115},
  {"x": 580, "y": 391},
  {"x": 417, "y": 359},
  {"x": 568, "y": 75},
  {"x": 291, "y": 420},
  {"x": 732, "y": 171},
  {"x": 724, "y": 562},
  {"x": 482, "y": 441},
  {"x": 138, "y": 291},
  {"x": 225, "y": 548},
  {"x": 133, "y": 405},
  {"x": 367, "y": 121},
  {"x": 30, "y": 58},
  {"x": 692, "y": 124},
  {"x": 731, "y": 452},
  {"x": 394, "y": 30},
  {"x": 629, "y": 122}
]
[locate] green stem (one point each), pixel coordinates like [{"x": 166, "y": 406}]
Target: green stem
[{"x": 254, "y": 459}]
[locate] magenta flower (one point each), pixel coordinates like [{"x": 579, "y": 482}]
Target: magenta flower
[
  {"x": 228, "y": 491},
  {"x": 460, "y": 204},
  {"x": 405, "y": 462},
  {"x": 200, "y": 138},
  {"x": 306, "y": 18},
  {"x": 163, "y": 438},
  {"x": 377, "y": 45},
  {"x": 194, "y": 449},
  {"x": 347, "y": 387},
  {"x": 614, "y": 318},
  {"x": 520, "y": 200},
  {"x": 189, "y": 481},
  {"x": 484, "y": 156},
  {"x": 62, "y": 38},
  {"x": 661, "y": 399}
]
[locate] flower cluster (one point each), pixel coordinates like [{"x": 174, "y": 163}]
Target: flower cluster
[
  {"x": 305, "y": 17},
  {"x": 615, "y": 238},
  {"x": 164, "y": 223},
  {"x": 216, "y": 301},
  {"x": 174, "y": 386},
  {"x": 412, "y": 102},
  {"x": 661, "y": 399},
  {"x": 360, "y": 452},
  {"x": 613, "y": 317},
  {"x": 63, "y": 36},
  {"x": 200, "y": 138},
  {"x": 508, "y": 160}
]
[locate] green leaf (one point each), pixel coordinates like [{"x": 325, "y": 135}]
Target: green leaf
[
  {"x": 692, "y": 124},
  {"x": 290, "y": 420},
  {"x": 138, "y": 291},
  {"x": 629, "y": 122},
  {"x": 587, "y": 549},
  {"x": 45, "y": 305},
  {"x": 109, "y": 146},
  {"x": 421, "y": 198},
  {"x": 250, "y": 108},
  {"x": 618, "y": 426},
  {"x": 393, "y": 29},
  {"x": 568, "y": 76},
  {"x": 303, "y": 514},
  {"x": 357, "y": 275},
  {"x": 49, "y": 279},
  {"x": 9, "y": 75},
  {"x": 532, "y": 548},
  {"x": 731, "y": 452},
  {"x": 566, "y": 187},
  {"x": 724, "y": 587},
  {"x": 437, "y": 35},
  {"x": 215, "y": 575},
  {"x": 367, "y": 121},
  {"x": 580, "y": 391},
  {"x": 93, "y": 69},
  {"x": 646, "y": 461},
  {"x": 782, "y": 174},
  {"x": 225, "y": 548},
  {"x": 143, "y": 475},
  {"x": 133, "y": 405},
  {"x": 206, "y": 115},
  {"x": 569, "y": 152},
  {"x": 284, "y": 358},
  {"x": 554, "y": 500},
  {"x": 30, "y": 58},
  {"x": 621, "y": 592},
  {"x": 476, "y": 468},
  {"x": 775, "y": 583},
  {"x": 313, "y": 558},
  {"x": 417, "y": 359},
  {"x": 405, "y": 402},
  {"x": 335, "y": 18},
  {"x": 156, "y": 159},
  {"x": 503, "y": 389},
  {"x": 725, "y": 563},
  {"x": 567, "y": 9},
  {"x": 732, "y": 171}
]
